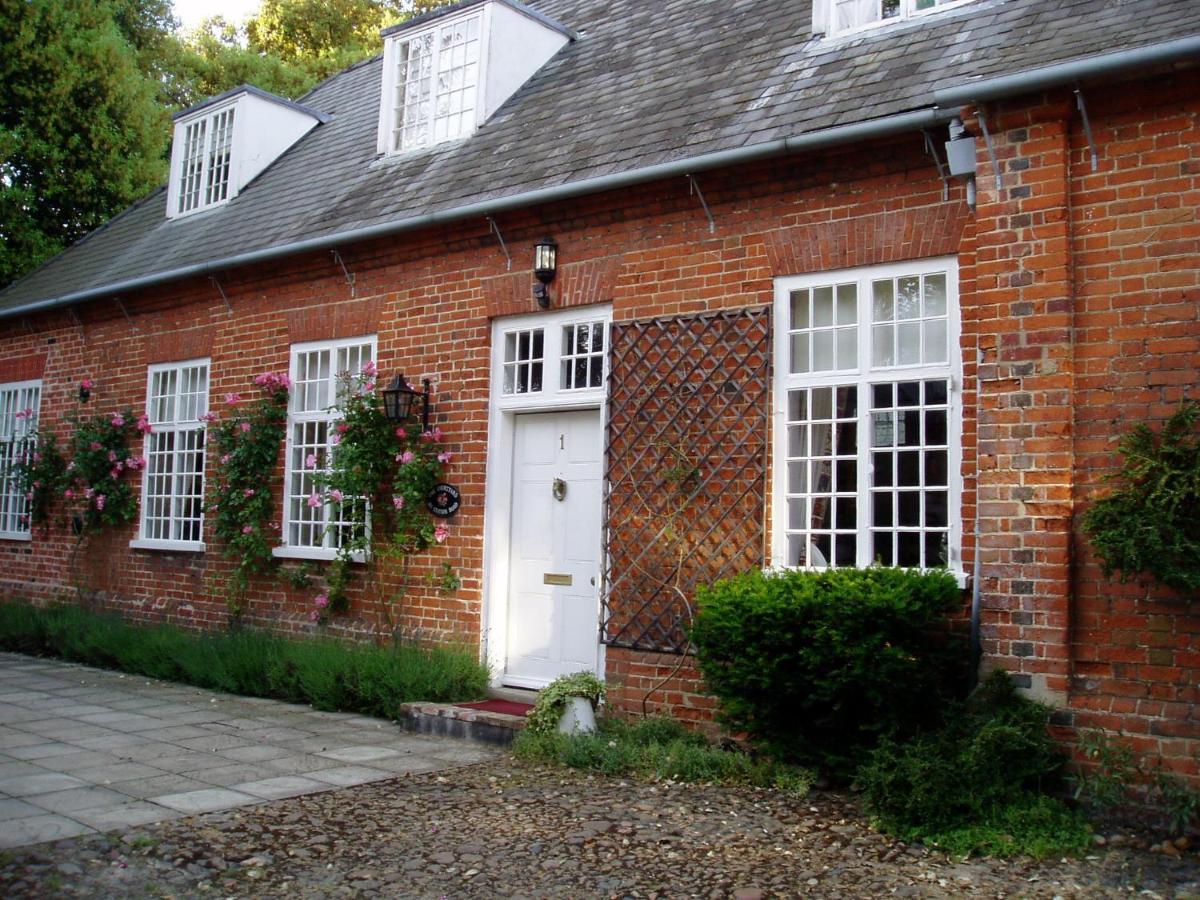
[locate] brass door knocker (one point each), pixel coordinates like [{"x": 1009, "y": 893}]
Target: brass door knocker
[{"x": 559, "y": 489}]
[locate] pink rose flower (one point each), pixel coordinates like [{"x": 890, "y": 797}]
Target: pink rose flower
[
  {"x": 232, "y": 398},
  {"x": 247, "y": 529},
  {"x": 143, "y": 424},
  {"x": 313, "y": 616},
  {"x": 225, "y": 460},
  {"x": 369, "y": 369},
  {"x": 208, "y": 417},
  {"x": 69, "y": 494},
  {"x": 397, "y": 501},
  {"x": 314, "y": 499},
  {"x": 445, "y": 456},
  {"x": 249, "y": 492},
  {"x": 99, "y": 501},
  {"x": 244, "y": 426},
  {"x": 342, "y": 428},
  {"x": 405, "y": 457},
  {"x": 118, "y": 421},
  {"x": 402, "y": 433},
  {"x": 310, "y": 461},
  {"x": 441, "y": 533},
  {"x": 95, "y": 445},
  {"x": 337, "y": 495},
  {"x": 434, "y": 435},
  {"x": 321, "y": 601},
  {"x": 87, "y": 384}
]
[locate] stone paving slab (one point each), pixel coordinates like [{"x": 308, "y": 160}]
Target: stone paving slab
[{"x": 85, "y": 750}]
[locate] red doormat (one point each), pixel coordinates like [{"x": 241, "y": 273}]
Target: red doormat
[{"x": 507, "y": 707}]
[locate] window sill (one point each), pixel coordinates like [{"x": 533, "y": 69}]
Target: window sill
[
  {"x": 16, "y": 536},
  {"x": 168, "y": 546},
  {"x": 319, "y": 554}
]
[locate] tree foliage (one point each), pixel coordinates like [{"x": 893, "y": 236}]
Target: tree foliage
[{"x": 82, "y": 134}]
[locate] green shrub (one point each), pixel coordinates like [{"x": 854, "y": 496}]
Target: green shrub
[
  {"x": 657, "y": 749},
  {"x": 816, "y": 667},
  {"x": 976, "y": 782},
  {"x": 1152, "y": 522},
  {"x": 326, "y": 674}
]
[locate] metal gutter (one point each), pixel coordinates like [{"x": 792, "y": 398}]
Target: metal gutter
[
  {"x": 826, "y": 137},
  {"x": 1066, "y": 73}
]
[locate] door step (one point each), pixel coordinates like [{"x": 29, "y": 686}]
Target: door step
[{"x": 494, "y": 721}]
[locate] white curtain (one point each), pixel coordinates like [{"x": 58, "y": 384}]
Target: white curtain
[{"x": 853, "y": 13}]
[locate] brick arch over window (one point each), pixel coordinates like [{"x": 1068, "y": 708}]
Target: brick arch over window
[
  {"x": 868, "y": 240},
  {"x": 582, "y": 283}
]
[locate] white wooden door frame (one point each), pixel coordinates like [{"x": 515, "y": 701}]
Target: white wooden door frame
[{"x": 502, "y": 413}]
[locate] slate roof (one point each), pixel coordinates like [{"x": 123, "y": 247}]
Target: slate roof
[{"x": 644, "y": 83}]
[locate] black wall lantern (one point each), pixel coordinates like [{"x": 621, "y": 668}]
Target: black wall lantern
[
  {"x": 400, "y": 400},
  {"x": 545, "y": 267}
]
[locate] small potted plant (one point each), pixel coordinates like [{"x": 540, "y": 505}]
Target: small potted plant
[{"x": 567, "y": 704}]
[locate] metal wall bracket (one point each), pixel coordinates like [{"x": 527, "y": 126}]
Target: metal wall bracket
[
  {"x": 349, "y": 275},
  {"x": 78, "y": 323},
  {"x": 1087, "y": 129},
  {"x": 987, "y": 140},
  {"x": 499, "y": 237},
  {"x": 931, "y": 149},
  {"x": 125, "y": 310},
  {"x": 694, "y": 190},
  {"x": 221, "y": 291}
]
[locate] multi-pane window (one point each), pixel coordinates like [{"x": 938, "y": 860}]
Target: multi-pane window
[
  {"x": 173, "y": 482},
  {"x": 205, "y": 161},
  {"x": 523, "y": 361},
  {"x": 582, "y": 359},
  {"x": 849, "y": 14},
  {"x": 867, "y": 449},
  {"x": 18, "y": 425},
  {"x": 313, "y": 519},
  {"x": 436, "y": 85}
]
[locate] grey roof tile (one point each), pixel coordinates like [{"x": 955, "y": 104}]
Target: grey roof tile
[{"x": 644, "y": 83}]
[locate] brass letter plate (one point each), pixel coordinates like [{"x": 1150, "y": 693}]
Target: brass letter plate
[{"x": 555, "y": 578}]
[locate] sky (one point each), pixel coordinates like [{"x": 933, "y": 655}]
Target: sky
[{"x": 190, "y": 12}]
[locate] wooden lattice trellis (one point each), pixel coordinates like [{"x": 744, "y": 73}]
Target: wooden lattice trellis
[{"x": 688, "y": 426}]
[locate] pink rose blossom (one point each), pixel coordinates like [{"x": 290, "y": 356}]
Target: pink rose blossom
[
  {"x": 208, "y": 417},
  {"x": 441, "y": 533},
  {"x": 397, "y": 501},
  {"x": 112, "y": 455},
  {"x": 87, "y": 384},
  {"x": 369, "y": 369},
  {"x": 313, "y": 616},
  {"x": 342, "y": 428},
  {"x": 95, "y": 445},
  {"x": 114, "y": 473},
  {"x": 273, "y": 381},
  {"x": 314, "y": 499},
  {"x": 118, "y": 421},
  {"x": 88, "y": 493},
  {"x": 445, "y": 456},
  {"x": 310, "y": 461},
  {"x": 24, "y": 414},
  {"x": 71, "y": 466},
  {"x": 249, "y": 492},
  {"x": 405, "y": 457},
  {"x": 69, "y": 494},
  {"x": 321, "y": 601},
  {"x": 247, "y": 529},
  {"x": 336, "y": 439},
  {"x": 434, "y": 435},
  {"x": 244, "y": 426},
  {"x": 99, "y": 501},
  {"x": 337, "y": 495},
  {"x": 225, "y": 460},
  {"x": 143, "y": 424},
  {"x": 232, "y": 398}
]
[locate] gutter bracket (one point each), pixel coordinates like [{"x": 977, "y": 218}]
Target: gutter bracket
[
  {"x": 931, "y": 149},
  {"x": 349, "y": 275},
  {"x": 28, "y": 327},
  {"x": 78, "y": 324},
  {"x": 1087, "y": 129},
  {"x": 221, "y": 291},
  {"x": 499, "y": 237},
  {"x": 128, "y": 318},
  {"x": 987, "y": 139},
  {"x": 694, "y": 190}
]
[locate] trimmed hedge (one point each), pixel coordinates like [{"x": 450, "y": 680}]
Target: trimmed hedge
[
  {"x": 327, "y": 674},
  {"x": 816, "y": 667}
]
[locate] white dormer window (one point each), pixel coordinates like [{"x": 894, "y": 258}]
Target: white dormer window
[
  {"x": 204, "y": 179},
  {"x": 446, "y": 73},
  {"x": 839, "y": 16},
  {"x": 226, "y": 141}
]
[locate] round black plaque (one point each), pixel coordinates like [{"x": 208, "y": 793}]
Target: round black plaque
[{"x": 444, "y": 500}]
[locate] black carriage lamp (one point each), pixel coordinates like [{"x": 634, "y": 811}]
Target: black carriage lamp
[
  {"x": 400, "y": 400},
  {"x": 545, "y": 267}
]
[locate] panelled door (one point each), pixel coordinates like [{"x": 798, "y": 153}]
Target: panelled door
[{"x": 554, "y": 564}]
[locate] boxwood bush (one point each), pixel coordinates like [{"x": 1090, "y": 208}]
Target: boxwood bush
[{"x": 816, "y": 667}]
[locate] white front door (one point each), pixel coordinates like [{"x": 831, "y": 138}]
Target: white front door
[{"x": 554, "y": 564}]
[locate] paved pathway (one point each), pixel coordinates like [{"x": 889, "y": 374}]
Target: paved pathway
[{"x": 85, "y": 750}]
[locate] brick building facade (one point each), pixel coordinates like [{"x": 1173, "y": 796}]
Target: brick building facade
[{"x": 1073, "y": 312}]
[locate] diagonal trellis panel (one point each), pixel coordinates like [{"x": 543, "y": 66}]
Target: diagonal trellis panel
[{"x": 688, "y": 431}]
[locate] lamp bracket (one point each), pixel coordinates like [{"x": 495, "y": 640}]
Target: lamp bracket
[
  {"x": 337, "y": 257},
  {"x": 987, "y": 140},
  {"x": 221, "y": 291},
  {"x": 694, "y": 190},
  {"x": 499, "y": 237},
  {"x": 1087, "y": 129},
  {"x": 931, "y": 149}
]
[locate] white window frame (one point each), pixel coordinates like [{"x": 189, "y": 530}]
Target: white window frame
[
  {"x": 15, "y": 397},
  {"x": 328, "y": 550},
  {"x": 179, "y": 425},
  {"x": 391, "y": 60},
  {"x": 864, "y": 375},
  {"x": 825, "y": 15},
  {"x": 553, "y": 326},
  {"x": 224, "y": 121}
]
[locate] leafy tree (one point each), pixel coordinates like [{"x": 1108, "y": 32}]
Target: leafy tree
[{"x": 81, "y": 132}]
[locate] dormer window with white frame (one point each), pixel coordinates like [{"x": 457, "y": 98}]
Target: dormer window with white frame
[
  {"x": 834, "y": 17},
  {"x": 222, "y": 144},
  {"x": 446, "y": 73}
]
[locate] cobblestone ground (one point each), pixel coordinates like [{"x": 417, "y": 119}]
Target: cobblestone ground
[{"x": 498, "y": 829}]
